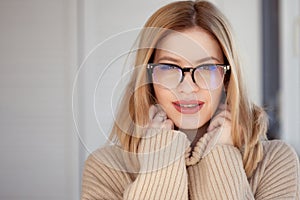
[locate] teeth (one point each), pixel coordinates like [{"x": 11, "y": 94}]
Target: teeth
[{"x": 188, "y": 105}]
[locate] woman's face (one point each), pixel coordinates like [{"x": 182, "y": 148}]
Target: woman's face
[{"x": 188, "y": 105}]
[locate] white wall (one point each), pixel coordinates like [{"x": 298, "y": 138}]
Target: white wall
[
  {"x": 38, "y": 148},
  {"x": 290, "y": 72},
  {"x": 245, "y": 17}
]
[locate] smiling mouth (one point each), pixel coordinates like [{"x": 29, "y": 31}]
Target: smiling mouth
[{"x": 188, "y": 107}]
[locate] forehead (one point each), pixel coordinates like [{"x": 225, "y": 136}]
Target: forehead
[{"x": 190, "y": 45}]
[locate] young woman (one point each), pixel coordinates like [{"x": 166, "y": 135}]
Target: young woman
[{"x": 186, "y": 128}]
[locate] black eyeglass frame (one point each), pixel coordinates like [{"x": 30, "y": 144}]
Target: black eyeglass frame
[{"x": 151, "y": 66}]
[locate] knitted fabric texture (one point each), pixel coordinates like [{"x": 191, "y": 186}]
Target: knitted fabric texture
[{"x": 109, "y": 173}]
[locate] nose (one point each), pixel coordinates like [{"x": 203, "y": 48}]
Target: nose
[{"x": 187, "y": 85}]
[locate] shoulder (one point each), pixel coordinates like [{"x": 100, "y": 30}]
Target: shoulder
[
  {"x": 278, "y": 171},
  {"x": 104, "y": 175},
  {"x": 279, "y": 150},
  {"x": 280, "y": 161},
  {"x": 112, "y": 158},
  {"x": 97, "y": 164}
]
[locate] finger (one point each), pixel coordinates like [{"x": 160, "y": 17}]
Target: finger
[
  {"x": 217, "y": 122},
  {"x": 168, "y": 124},
  {"x": 160, "y": 116},
  {"x": 158, "y": 120},
  {"x": 156, "y": 125},
  {"x": 155, "y": 128}
]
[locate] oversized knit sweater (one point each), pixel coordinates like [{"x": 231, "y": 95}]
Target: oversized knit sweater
[{"x": 166, "y": 167}]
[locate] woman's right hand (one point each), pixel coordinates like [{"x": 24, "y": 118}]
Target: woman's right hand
[
  {"x": 161, "y": 157},
  {"x": 160, "y": 145},
  {"x": 158, "y": 118}
]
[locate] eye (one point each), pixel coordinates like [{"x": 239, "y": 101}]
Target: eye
[
  {"x": 166, "y": 67},
  {"x": 210, "y": 67}
]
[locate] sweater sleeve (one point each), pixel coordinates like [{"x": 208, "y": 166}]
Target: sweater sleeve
[
  {"x": 159, "y": 170},
  {"x": 103, "y": 176},
  {"x": 220, "y": 175},
  {"x": 162, "y": 173},
  {"x": 277, "y": 176}
]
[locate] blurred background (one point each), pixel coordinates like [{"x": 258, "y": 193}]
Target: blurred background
[{"x": 61, "y": 78}]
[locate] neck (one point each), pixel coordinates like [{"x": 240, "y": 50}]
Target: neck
[{"x": 195, "y": 134}]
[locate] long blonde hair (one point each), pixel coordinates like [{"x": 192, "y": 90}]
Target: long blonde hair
[{"x": 249, "y": 122}]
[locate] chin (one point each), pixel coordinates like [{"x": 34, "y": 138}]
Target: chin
[{"x": 189, "y": 123}]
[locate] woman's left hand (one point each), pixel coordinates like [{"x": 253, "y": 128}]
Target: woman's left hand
[{"x": 221, "y": 125}]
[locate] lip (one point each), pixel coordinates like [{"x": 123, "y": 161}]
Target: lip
[{"x": 188, "y": 106}]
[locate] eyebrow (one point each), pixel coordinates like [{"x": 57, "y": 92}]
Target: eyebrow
[
  {"x": 198, "y": 61},
  {"x": 208, "y": 58}
]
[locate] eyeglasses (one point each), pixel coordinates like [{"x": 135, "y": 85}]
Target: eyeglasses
[{"x": 206, "y": 76}]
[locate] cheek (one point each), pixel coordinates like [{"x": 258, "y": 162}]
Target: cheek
[
  {"x": 163, "y": 95},
  {"x": 214, "y": 100}
]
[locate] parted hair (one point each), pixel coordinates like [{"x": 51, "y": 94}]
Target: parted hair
[{"x": 249, "y": 121}]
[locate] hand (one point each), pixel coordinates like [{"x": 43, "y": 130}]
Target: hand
[
  {"x": 161, "y": 159},
  {"x": 158, "y": 119},
  {"x": 221, "y": 125},
  {"x": 160, "y": 145}
]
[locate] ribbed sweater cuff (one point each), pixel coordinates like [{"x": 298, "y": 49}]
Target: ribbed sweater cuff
[
  {"x": 162, "y": 173},
  {"x": 221, "y": 175}
]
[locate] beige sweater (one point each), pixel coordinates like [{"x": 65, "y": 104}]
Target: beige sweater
[{"x": 167, "y": 168}]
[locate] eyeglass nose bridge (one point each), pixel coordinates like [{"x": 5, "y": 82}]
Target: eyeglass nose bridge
[{"x": 187, "y": 69}]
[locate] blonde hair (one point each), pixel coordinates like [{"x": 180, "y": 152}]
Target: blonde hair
[{"x": 249, "y": 122}]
